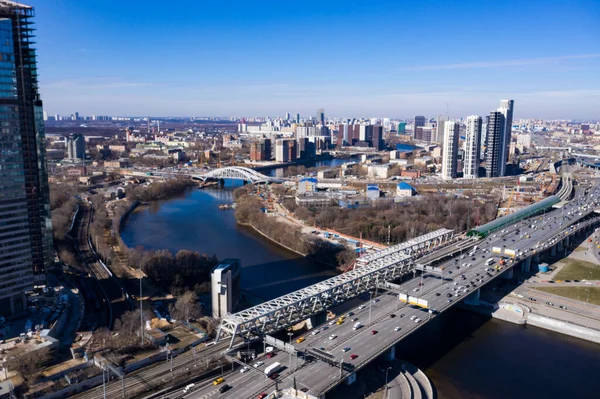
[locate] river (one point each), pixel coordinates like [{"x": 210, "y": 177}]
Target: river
[{"x": 465, "y": 355}]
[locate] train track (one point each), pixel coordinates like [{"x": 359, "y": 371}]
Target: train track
[
  {"x": 108, "y": 300},
  {"x": 156, "y": 375}
]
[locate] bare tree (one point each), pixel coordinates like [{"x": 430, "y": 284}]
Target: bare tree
[{"x": 186, "y": 307}]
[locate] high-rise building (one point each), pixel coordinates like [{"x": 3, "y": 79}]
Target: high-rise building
[
  {"x": 281, "y": 150},
  {"x": 75, "y": 144},
  {"x": 506, "y": 107},
  {"x": 377, "y": 138},
  {"x": 439, "y": 130},
  {"x": 287, "y": 116},
  {"x": 493, "y": 148},
  {"x": 424, "y": 133},
  {"x": 297, "y": 118},
  {"x": 450, "y": 150},
  {"x": 402, "y": 128},
  {"x": 419, "y": 121},
  {"x": 321, "y": 116},
  {"x": 225, "y": 287},
  {"x": 472, "y": 147},
  {"x": 25, "y": 223}
]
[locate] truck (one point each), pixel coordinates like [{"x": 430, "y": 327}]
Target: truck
[
  {"x": 272, "y": 369},
  {"x": 489, "y": 261},
  {"x": 496, "y": 250}
]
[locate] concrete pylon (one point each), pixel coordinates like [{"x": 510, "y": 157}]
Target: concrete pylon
[
  {"x": 553, "y": 251},
  {"x": 473, "y": 298},
  {"x": 391, "y": 353}
]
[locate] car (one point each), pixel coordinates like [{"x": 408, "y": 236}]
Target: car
[
  {"x": 355, "y": 319},
  {"x": 448, "y": 295},
  {"x": 392, "y": 316},
  {"x": 416, "y": 289},
  {"x": 218, "y": 381},
  {"x": 532, "y": 299},
  {"x": 332, "y": 336},
  {"x": 224, "y": 388},
  {"x": 402, "y": 315},
  {"x": 449, "y": 300},
  {"x": 332, "y": 322},
  {"x": 346, "y": 349},
  {"x": 417, "y": 320},
  {"x": 563, "y": 307},
  {"x": 350, "y": 314},
  {"x": 437, "y": 294},
  {"x": 397, "y": 329},
  {"x": 274, "y": 376},
  {"x": 449, "y": 271},
  {"x": 244, "y": 369},
  {"x": 361, "y": 307},
  {"x": 270, "y": 355},
  {"x": 375, "y": 300},
  {"x": 413, "y": 317},
  {"x": 262, "y": 395},
  {"x": 325, "y": 328},
  {"x": 353, "y": 356},
  {"x": 304, "y": 389},
  {"x": 549, "y": 304},
  {"x": 373, "y": 332},
  {"x": 188, "y": 387},
  {"x": 315, "y": 332},
  {"x": 258, "y": 364}
]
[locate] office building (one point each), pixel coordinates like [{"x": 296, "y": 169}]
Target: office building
[
  {"x": 419, "y": 121},
  {"x": 493, "y": 150},
  {"x": 424, "y": 133},
  {"x": 297, "y": 118},
  {"x": 450, "y": 150},
  {"x": 306, "y": 149},
  {"x": 225, "y": 287},
  {"x": 75, "y": 144},
  {"x": 506, "y": 108},
  {"x": 402, "y": 128},
  {"x": 25, "y": 224},
  {"x": 321, "y": 116},
  {"x": 472, "y": 147},
  {"x": 260, "y": 150},
  {"x": 281, "y": 150},
  {"x": 377, "y": 141},
  {"x": 439, "y": 129}
]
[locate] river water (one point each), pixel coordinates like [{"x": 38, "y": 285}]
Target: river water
[{"x": 464, "y": 354}]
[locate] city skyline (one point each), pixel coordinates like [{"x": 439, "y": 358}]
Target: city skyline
[{"x": 265, "y": 60}]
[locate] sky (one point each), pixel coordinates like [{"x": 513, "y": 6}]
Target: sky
[{"x": 354, "y": 58}]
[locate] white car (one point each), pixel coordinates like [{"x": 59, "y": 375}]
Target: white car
[
  {"x": 397, "y": 329},
  {"x": 246, "y": 368},
  {"x": 269, "y": 349},
  {"x": 413, "y": 317},
  {"x": 258, "y": 364},
  {"x": 332, "y": 322},
  {"x": 316, "y": 332},
  {"x": 361, "y": 307},
  {"x": 417, "y": 320},
  {"x": 332, "y": 336}
]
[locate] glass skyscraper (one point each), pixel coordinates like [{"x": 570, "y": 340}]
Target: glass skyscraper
[{"x": 26, "y": 246}]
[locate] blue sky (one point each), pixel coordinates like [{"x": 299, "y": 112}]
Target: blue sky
[{"x": 353, "y": 58}]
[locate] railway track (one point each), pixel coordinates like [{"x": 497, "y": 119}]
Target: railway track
[{"x": 156, "y": 375}]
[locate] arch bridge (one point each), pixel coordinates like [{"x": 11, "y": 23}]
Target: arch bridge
[{"x": 234, "y": 172}]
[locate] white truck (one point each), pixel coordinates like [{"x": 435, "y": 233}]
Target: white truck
[{"x": 272, "y": 369}]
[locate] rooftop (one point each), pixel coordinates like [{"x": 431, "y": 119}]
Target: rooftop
[
  {"x": 13, "y": 4},
  {"x": 404, "y": 186},
  {"x": 309, "y": 179}
]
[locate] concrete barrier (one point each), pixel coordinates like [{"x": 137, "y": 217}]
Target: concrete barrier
[{"x": 564, "y": 327}]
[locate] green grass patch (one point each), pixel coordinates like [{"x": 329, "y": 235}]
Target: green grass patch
[
  {"x": 577, "y": 293},
  {"x": 576, "y": 269}
]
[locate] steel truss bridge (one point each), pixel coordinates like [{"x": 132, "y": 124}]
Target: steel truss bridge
[
  {"x": 278, "y": 313},
  {"x": 234, "y": 172}
]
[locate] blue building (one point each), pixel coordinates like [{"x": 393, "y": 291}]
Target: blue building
[
  {"x": 373, "y": 191},
  {"x": 404, "y": 190}
]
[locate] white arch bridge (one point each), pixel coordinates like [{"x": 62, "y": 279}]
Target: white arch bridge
[{"x": 234, "y": 172}]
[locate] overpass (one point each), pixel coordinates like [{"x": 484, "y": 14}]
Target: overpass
[{"x": 388, "y": 320}]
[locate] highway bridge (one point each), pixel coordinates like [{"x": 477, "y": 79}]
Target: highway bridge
[{"x": 388, "y": 319}]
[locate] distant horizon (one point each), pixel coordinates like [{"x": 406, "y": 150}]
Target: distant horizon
[{"x": 257, "y": 58}]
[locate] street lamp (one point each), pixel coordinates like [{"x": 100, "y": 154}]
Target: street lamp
[
  {"x": 386, "y": 378},
  {"x": 370, "y": 306}
]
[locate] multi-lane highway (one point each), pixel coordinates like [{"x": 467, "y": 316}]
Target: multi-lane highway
[{"x": 391, "y": 320}]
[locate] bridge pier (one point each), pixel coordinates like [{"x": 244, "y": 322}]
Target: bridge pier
[
  {"x": 560, "y": 246},
  {"x": 553, "y": 251},
  {"x": 390, "y": 354},
  {"x": 526, "y": 265},
  {"x": 473, "y": 299},
  {"x": 507, "y": 275},
  {"x": 351, "y": 379}
]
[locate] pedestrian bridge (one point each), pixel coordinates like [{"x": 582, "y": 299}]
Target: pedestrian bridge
[{"x": 234, "y": 172}]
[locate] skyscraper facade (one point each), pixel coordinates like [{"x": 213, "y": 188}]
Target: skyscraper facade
[
  {"x": 419, "y": 121},
  {"x": 506, "y": 107},
  {"x": 25, "y": 224},
  {"x": 321, "y": 116},
  {"x": 450, "y": 150},
  {"x": 472, "y": 147},
  {"x": 75, "y": 144},
  {"x": 493, "y": 150},
  {"x": 439, "y": 135}
]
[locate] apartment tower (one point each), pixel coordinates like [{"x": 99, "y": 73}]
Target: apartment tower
[{"x": 25, "y": 224}]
